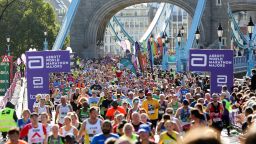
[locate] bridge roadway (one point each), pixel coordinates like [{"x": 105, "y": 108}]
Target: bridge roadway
[{"x": 233, "y": 139}]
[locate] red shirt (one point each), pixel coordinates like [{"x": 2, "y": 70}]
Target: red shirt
[
  {"x": 32, "y": 133},
  {"x": 119, "y": 74},
  {"x": 111, "y": 111}
]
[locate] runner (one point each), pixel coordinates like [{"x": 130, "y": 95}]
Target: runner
[
  {"x": 106, "y": 133},
  {"x": 35, "y": 132},
  {"x": 62, "y": 111},
  {"x": 92, "y": 125},
  {"x": 215, "y": 109},
  {"x": 169, "y": 136}
]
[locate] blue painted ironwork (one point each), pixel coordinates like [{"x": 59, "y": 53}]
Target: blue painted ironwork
[
  {"x": 114, "y": 32},
  {"x": 235, "y": 27},
  {"x": 67, "y": 21},
  {"x": 244, "y": 42},
  {"x": 45, "y": 44},
  {"x": 250, "y": 58},
  {"x": 168, "y": 17},
  {"x": 123, "y": 30},
  {"x": 153, "y": 23},
  {"x": 195, "y": 23}
]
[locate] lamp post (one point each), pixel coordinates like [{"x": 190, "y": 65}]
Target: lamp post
[
  {"x": 220, "y": 34},
  {"x": 250, "y": 28},
  {"x": 164, "y": 65},
  {"x": 45, "y": 41},
  {"x": 179, "y": 36},
  {"x": 197, "y": 37},
  {"x": 182, "y": 30},
  {"x": 8, "y": 39}
]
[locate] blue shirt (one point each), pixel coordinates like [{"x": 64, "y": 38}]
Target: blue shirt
[
  {"x": 22, "y": 123},
  {"x": 93, "y": 101},
  {"x": 100, "y": 138}
]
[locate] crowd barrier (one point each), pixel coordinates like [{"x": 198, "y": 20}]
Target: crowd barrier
[
  {"x": 10, "y": 91},
  {"x": 18, "y": 97}
]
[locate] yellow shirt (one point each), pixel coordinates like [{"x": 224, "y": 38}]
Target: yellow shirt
[
  {"x": 166, "y": 139},
  {"x": 151, "y": 107}
]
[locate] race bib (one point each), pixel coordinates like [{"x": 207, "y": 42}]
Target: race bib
[
  {"x": 161, "y": 112},
  {"x": 151, "y": 112}
]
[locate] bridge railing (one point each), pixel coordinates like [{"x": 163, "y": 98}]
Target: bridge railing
[
  {"x": 240, "y": 63},
  {"x": 9, "y": 93}
]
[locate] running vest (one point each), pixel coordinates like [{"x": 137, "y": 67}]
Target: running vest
[
  {"x": 216, "y": 116},
  {"x": 185, "y": 115},
  {"x": 63, "y": 111},
  {"x": 57, "y": 99},
  {"x": 36, "y": 135},
  {"x": 162, "y": 108},
  {"x": 168, "y": 139},
  {"x": 93, "y": 129},
  {"x": 42, "y": 109},
  {"x": 175, "y": 107},
  {"x": 52, "y": 140},
  {"x": 69, "y": 132},
  {"x": 83, "y": 115},
  {"x": 6, "y": 119}
]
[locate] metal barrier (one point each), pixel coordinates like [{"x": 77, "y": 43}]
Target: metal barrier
[
  {"x": 10, "y": 90},
  {"x": 20, "y": 97}
]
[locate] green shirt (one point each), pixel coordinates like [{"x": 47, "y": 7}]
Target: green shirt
[{"x": 156, "y": 97}]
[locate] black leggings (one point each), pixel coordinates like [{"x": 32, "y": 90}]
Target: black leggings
[{"x": 226, "y": 123}]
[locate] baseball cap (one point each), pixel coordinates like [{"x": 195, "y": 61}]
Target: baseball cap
[
  {"x": 130, "y": 93},
  {"x": 149, "y": 93},
  {"x": 144, "y": 128},
  {"x": 34, "y": 114}
]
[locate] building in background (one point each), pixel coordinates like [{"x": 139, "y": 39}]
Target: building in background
[
  {"x": 60, "y": 7},
  {"x": 137, "y": 18}
]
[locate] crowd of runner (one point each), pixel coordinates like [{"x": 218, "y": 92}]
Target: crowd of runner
[{"x": 101, "y": 103}]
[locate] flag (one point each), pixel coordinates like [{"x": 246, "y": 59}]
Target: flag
[
  {"x": 139, "y": 55},
  {"x": 154, "y": 48},
  {"x": 144, "y": 46},
  {"x": 128, "y": 64},
  {"x": 160, "y": 45},
  {"x": 150, "y": 56},
  {"x": 165, "y": 58}
]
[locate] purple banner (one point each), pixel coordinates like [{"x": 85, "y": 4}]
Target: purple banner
[
  {"x": 218, "y": 62},
  {"x": 39, "y": 65}
]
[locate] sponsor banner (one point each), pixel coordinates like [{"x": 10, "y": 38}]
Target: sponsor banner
[
  {"x": 4, "y": 75},
  {"x": 39, "y": 65},
  {"x": 218, "y": 62}
]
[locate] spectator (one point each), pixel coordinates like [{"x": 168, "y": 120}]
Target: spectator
[
  {"x": 13, "y": 135},
  {"x": 25, "y": 119},
  {"x": 8, "y": 119}
]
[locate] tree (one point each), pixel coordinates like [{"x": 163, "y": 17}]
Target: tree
[
  {"x": 25, "y": 22},
  {"x": 4, "y": 6}
]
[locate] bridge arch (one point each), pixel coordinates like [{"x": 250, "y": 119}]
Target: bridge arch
[{"x": 105, "y": 10}]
